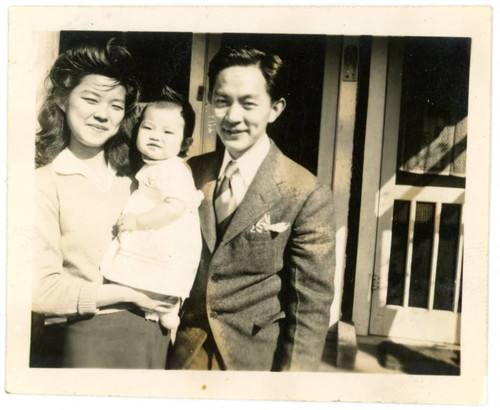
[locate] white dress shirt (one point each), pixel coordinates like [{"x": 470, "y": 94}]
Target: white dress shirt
[{"x": 248, "y": 165}]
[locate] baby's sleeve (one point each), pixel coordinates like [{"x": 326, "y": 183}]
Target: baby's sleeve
[{"x": 177, "y": 182}]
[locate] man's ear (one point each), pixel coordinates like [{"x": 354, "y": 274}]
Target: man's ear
[{"x": 276, "y": 109}]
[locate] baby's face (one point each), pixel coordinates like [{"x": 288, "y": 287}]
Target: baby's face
[{"x": 161, "y": 132}]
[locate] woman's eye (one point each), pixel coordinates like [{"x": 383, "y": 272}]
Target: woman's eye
[
  {"x": 90, "y": 100},
  {"x": 117, "y": 107}
]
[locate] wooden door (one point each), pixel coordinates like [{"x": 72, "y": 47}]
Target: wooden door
[{"x": 418, "y": 258}]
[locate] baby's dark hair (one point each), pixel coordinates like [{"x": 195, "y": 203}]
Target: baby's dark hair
[{"x": 170, "y": 96}]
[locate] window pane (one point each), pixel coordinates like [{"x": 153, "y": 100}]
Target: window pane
[
  {"x": 423, "y": 237},
  {"x": 397, "y": 264},
  {"x": 449, "y": 232},
  {"x": 433, "y": 130}
]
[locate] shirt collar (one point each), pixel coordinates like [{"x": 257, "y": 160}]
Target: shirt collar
[
  {"x": 250, "y": 161},
  {"x": 66, "y": 163}
]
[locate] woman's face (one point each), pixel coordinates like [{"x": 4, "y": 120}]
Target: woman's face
[{"x": 94, "y": 111}]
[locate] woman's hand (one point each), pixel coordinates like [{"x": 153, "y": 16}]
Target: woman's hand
[
  {"x": 111, "y": 294},
  {"x": 152, "y": 305}
]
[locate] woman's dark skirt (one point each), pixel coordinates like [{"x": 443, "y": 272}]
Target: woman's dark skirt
[{"x": 121, "y": 340}]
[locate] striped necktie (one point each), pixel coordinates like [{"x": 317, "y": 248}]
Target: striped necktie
[{"x": 225, "y": 199}]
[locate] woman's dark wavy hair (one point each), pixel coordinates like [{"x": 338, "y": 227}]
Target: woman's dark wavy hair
[
  {"x": 167, "y": 96},
  {"x": 110, "y": 60},
  {"x": 271, "y": 66}
]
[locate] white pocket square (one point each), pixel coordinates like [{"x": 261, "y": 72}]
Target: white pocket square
[{"x": 264, "y": 225}]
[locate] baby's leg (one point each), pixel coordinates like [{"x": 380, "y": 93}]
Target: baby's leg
[{"x": 171, "y": 320}]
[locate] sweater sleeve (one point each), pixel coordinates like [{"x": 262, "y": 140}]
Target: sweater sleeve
[{"x": 55, "y": 290}]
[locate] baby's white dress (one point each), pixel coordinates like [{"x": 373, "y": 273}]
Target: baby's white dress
[{"x": 162, "y": 260}]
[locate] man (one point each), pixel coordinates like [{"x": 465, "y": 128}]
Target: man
[{"x": 264, "y": 287}]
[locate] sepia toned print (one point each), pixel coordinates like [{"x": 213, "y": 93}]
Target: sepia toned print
[{"x": 384, "y": 120}]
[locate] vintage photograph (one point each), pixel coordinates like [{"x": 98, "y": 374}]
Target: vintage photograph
[{"x": 209, "y": 205}]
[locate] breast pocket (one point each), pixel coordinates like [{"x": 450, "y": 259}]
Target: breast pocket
[
  {"x": 260, "y": 255},
  {"x": 265, "y": 251},
  {"x": 260, "y": 236}
]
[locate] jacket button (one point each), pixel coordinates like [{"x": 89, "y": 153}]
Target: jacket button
[
  {"x": 215, "y": 278},
  {"x": 213, "y": 315}
]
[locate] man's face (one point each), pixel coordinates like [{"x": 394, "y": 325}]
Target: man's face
[{"x": 242, "y": 107}]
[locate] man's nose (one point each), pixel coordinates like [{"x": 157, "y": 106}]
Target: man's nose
[{"x": 234, "y": 113}]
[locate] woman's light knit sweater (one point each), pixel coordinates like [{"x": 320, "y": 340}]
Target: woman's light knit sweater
[{"x": 74, "y": 226}]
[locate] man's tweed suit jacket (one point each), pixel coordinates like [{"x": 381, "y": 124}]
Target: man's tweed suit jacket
[{"x": 265, "y": 295}]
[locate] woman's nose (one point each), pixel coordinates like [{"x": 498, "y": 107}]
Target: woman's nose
[{"x": 101, "y": 113}]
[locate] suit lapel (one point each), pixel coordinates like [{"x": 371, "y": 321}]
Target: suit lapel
[{"x": 260, "y": 197}]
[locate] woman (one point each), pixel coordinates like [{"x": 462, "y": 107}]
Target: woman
[{"x": 82, "y": 185}]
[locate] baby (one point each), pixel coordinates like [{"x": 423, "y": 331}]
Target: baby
[{"x": 158, "y": 247}]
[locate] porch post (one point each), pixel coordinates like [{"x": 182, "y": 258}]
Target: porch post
[
  {"x": 345, "y": 80},
  {"x": 367, "y": 235}
]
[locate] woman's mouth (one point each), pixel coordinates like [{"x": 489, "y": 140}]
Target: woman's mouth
[{"x": 98, "y": 127}]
